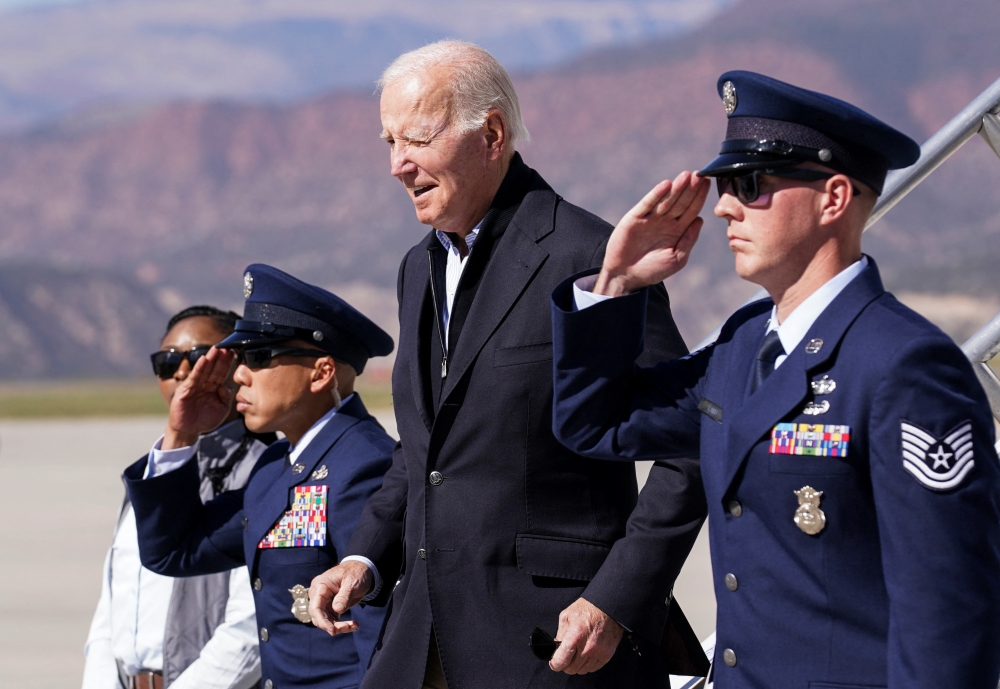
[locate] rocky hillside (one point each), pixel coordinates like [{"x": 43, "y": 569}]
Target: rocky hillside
[{"x": 183, "y": 196}]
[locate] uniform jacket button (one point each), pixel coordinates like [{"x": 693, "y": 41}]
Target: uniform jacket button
[
  {"x": 264, "y": 636},
  {"x": 268, "y": 684},
  {"x": 422, "y": 554},
  {"x": 729, "y": 657},
  {"x": 258, "y": 584},
  {"x": 731, "y": 583},
  {"x": 735, "y": 508},
  {"x": 436, "y": 478}
]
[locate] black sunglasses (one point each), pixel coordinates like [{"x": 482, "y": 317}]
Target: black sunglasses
[
  {"x": 166, "y": 362},
  {"x": 261, "y": 357},
  {"x": 542, "y": 644},
  {"x": 746, "y": 186}
]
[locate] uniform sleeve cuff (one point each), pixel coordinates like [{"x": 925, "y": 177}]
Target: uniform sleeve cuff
[
  {"x": 377, "y": 586},
  {"x": 165, "y": 461},
  {"x": 583, "y": 297}
]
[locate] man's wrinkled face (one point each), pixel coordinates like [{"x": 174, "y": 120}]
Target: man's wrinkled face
[{"x": 445, "y": 172}]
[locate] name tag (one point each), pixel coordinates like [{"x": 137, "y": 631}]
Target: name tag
[
  {"x": 304, "y": 524},
  {"x": 819, "y": 440},
  {"x": 710, "y": 409}
]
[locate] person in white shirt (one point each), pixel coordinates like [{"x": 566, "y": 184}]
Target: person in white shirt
[{"x": 192, "y": 633}]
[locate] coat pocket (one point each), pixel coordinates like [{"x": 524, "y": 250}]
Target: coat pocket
[
  {"x": 560, "y": 558},
  {"x": 522, "y": 354}
]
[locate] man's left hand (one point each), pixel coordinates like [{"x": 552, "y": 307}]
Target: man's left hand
[{"x": 589, "y": 639}]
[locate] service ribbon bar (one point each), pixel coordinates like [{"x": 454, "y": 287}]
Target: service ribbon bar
[
  {"x": 810, "y": 439},
  {"x": 304, "y": 524}
]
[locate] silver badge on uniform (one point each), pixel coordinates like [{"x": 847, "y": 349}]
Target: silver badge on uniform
[
  {"x": 247, "y": 285},
  {"x": 938, "y": 464},
  {"x": 809, "y": 517},
  {"x": 823, "y": 386},
  {"x": 729, "y": 99},
  {"x": 300, "y": 603},
  {"x": 817, "y": 408},
  {"x": 814, "y": 345},
  {"x": 319, "y": 474},
  {"x": 298, "y": 468}
]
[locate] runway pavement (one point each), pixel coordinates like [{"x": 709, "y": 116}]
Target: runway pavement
[{"x": 60, "y": 490}]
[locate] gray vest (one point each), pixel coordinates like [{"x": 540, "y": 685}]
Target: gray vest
[{"x": 198, "y": 604}]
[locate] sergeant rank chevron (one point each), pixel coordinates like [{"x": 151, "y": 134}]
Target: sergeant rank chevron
[{"x": 938, "y": 464}]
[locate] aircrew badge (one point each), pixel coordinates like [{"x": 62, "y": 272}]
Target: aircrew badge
[
  {"x": 818, "y": 440},
  {"x": 319, "y": 474},
  {"x": 938, "y": 464},
  {"x": 809, "y": 517},
  {"x": 304, "y": 524},
  {"x": 247, "y": 285},
  {"x": 300, "y": 603}
]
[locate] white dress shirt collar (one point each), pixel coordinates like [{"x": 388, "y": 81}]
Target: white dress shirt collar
[
  {"x": 799, "y": 321},
  {"x": 313, "y": 431}
]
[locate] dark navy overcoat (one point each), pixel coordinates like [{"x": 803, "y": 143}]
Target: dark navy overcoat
[
  {"x": 899, "y": 586},
  {"x": 512, "y": 528},
  {"x": 179, "y": 536}
]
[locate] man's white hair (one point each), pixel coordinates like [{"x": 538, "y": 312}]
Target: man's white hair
[{"x": 479, "y": 84}]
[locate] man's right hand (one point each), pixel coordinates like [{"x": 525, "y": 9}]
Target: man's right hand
[
  {"x": 334, "y": 592},
  {"x": 654, "y": 239},
  {"x": 201, "y": 402}
]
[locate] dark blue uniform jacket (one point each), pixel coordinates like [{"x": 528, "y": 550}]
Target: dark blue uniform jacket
[
  {"x": 901, "y": 587},
  {"x": 179, "y": 536}
]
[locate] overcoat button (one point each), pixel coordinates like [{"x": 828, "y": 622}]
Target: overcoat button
[
  {"x": 264, "y": 636},
  {"x": 729, "y": 657},
  {"x": 731, "y": 582},
  {"x": 258, "y": 584},
  {"x": 436, "y": 478},
  {"x": 422, "y": 554},
  {"x": 268, "y": 684},
  {"x": 735, "y": 508}
]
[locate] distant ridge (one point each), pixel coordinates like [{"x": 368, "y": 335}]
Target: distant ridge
[{"x": 183, "y": 196}]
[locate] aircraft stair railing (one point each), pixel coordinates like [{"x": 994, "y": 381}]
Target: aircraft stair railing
[{"x": 981, "y": 116}]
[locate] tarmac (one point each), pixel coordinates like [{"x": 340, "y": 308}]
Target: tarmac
[{"x": 60, "y": 490}]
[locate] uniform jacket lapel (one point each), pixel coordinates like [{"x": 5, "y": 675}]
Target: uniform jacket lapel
[
  {"x": 276, "y": 500},
  {"x": 513, "y": 264},
  {"x": 785, "y": 392}
]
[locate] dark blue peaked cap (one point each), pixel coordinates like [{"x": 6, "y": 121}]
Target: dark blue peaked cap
[
  {"x": 773, "y": 124},
  {"x": 280, "y": 307}
]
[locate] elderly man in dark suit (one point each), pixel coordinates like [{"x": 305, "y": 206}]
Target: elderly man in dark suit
[{"x": 485, "y": 526}]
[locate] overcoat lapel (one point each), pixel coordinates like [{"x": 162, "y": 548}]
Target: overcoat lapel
[
  {"x": 416, "y": 309},
  {"x": 275, "y": 501},
  {"x": 785, "y": 392},
  {"x": 513, "y": 264}
]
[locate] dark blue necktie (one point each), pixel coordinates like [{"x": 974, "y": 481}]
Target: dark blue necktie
[{"x": 770, "y": 350}]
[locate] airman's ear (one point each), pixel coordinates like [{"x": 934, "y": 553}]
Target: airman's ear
[
  {"x": 836, "y": 199},
  {"x": 324, "y": 374}
]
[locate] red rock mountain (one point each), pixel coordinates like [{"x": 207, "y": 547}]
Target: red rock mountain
[{"x": 182, "y": 197}]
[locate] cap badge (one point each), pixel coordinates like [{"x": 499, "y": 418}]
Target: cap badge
[
  {"x": 809, "y": 517},
  {"x": 825, "y": 154},
  {"x": 729, "y": 99},
  {"x": 317, "y": 335},
  {"x": 300, "y": 603},
  {"x": 247, "y": 285}
]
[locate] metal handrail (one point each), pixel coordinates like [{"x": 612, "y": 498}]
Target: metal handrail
[{"x": 899, "y": 183}]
